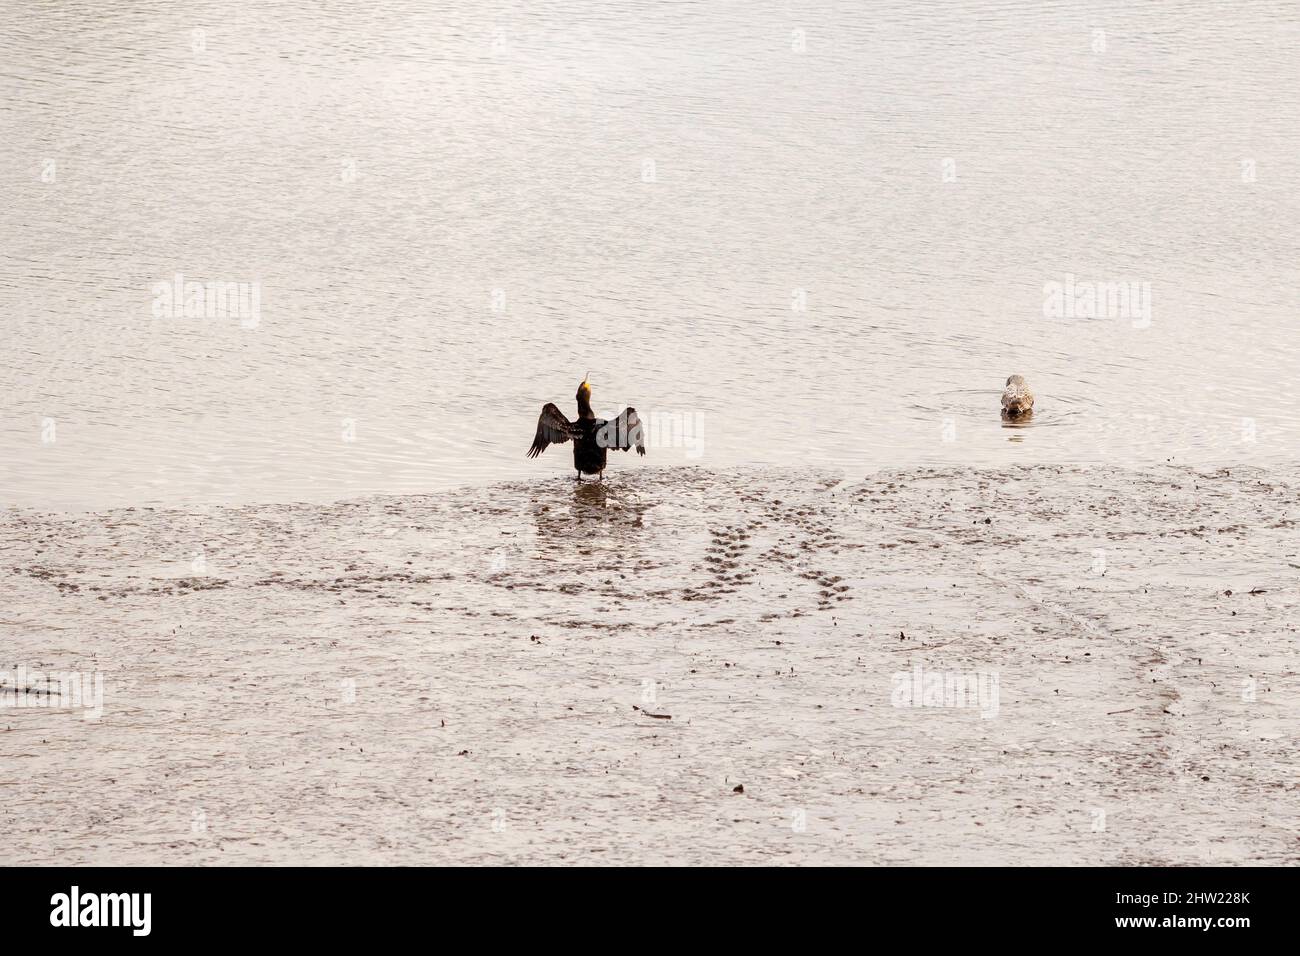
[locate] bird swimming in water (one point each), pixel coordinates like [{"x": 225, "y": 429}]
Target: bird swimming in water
[
  {"x": 592, "y": 437},
  {"x": 1017, "y": 399}
]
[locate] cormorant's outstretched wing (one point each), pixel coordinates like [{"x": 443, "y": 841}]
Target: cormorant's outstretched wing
[
  {"x": 622, "y": 433},
  {"x": 552, "y": 429}
]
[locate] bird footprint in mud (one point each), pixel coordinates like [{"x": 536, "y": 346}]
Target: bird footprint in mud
[
  {"x": 809, "y": 536},
  {"x": 788, "y": 539},
  {"x": 829, "y": 586},
  {"x": 726, "y": 549}
]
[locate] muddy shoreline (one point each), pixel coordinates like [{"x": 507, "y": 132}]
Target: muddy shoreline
[{"x": 538, "y": 673}]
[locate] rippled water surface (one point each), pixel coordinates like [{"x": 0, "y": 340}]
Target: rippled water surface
[{"x": 813, "y": 233}]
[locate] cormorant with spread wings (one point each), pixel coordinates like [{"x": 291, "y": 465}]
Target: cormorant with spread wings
[{"x": 592, "y": 437}]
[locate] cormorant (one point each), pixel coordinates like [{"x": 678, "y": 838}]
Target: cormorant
[
  {"x": 592, "y": 437},
  {"x": 1017, "y": 400}
]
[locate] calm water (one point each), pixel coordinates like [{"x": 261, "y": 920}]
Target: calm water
[{"x": 786, "y": 232}]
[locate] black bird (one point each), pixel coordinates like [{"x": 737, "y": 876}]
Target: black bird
[{"x": 592, "y": 437}]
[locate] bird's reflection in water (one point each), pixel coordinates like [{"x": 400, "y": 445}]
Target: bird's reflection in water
[
  {"x": 594, "y": 508},
  {"x": 592, "y": 493},
  {"x": 1023, "y": 420}
]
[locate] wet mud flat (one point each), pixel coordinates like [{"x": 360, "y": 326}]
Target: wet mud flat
[{"x": 681, "y": 666}]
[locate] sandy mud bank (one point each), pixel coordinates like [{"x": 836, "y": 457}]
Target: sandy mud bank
[{"x": 1048, "y": 665}]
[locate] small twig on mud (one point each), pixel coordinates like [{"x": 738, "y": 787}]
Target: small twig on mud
[{"x": 655, "y": 716}]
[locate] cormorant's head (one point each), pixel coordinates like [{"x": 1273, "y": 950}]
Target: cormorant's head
[
  {"x": 584, "y": 390},
  {"x": 1016, "y": 380}
]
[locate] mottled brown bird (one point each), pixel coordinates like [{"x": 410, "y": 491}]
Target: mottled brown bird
[
  {"x": 1017, "y": 399},
  {"x": 592, "y": 437}
]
